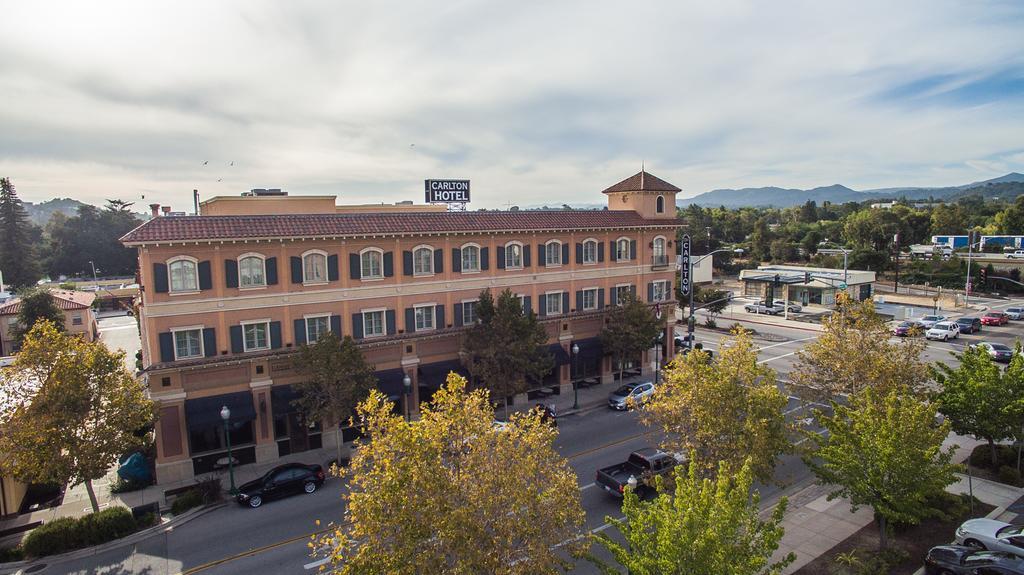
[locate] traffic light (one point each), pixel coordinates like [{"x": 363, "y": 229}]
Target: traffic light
[{"x": 982, "y": 276}]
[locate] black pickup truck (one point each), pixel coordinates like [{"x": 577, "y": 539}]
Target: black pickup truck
[{"x": 643, "y": 464}]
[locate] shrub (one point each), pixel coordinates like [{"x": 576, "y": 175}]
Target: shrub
[
  {"x": 1009, "y": 475},
  {"x": 9, "y": 554},
  {"x": 122, "y": 485},
  {"x": 185, "y": 501},
  {"x": 710, "y": 323},
  {"x": 210, "y": 489},
  {"x": 67, "y": 533}
]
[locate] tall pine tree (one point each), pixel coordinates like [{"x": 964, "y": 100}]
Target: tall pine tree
[{"x": 17, "y": 259}]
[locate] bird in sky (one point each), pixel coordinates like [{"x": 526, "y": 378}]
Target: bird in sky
[{"x": 206, "y": 162}]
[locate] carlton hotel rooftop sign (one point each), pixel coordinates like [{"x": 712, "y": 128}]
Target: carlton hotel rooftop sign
[{"x": 447, "y": 191}]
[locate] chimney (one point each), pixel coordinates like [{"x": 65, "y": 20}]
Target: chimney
[
  {"x": 166, "y": 209},
  {"x": 154, "y": 210},
  {"x": 195, "y": 199}
]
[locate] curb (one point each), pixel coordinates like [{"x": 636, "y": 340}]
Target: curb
[
  {"x": 582, "y": 410},
  {"x": 171, "y": 523}
]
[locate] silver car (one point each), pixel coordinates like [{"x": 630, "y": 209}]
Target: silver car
[
  {"x": 635, "y": 393},
  {"x": 930, "y": 320},
  {"x": 793, "y": 306},
  {"x": 991, "y": 535},
  {"x": 1015, "y": 312}
]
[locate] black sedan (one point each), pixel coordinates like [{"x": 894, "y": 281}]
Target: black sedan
[
  {"x": 281, "y": 481},
  {"x": 969, "y": 324},
  {"x": 958, "y": 560}
]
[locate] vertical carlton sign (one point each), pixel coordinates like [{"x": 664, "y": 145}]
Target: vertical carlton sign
[
  {"x": 447, "y": 191},
  {"x": 684, "y": 265}
]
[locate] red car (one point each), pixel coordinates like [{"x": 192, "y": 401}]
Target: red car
[{"x": 995, "y": 318}]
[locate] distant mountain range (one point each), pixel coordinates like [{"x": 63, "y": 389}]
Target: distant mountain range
[
  {"x": 1009, "y": 186},
  {"x": 40, "y": 213}
]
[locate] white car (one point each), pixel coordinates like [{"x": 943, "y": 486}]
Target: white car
[
  {"x": 991, "y": 535},
  {"x": 1015, "y": 313},
  {"x": 793, "y": 307},
  {"x": 944, "y": 330},
  {"x": 1015, "y": 254},
  {"x": 930, "y": 320},
  {"x": 760, "y": 308}
]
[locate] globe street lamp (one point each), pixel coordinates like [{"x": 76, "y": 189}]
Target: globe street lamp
[
  {"x": 657, "y": 356},
  {"x": 576, "y": 369},
  {"x": 225, "y": 414},
  {"x": 407, "y": 389}
]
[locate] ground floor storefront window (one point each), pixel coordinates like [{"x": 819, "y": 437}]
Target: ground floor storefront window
[{"x": 206, "y": 431}]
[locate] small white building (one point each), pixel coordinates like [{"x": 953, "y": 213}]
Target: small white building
[{"x": 806, "y": 285}]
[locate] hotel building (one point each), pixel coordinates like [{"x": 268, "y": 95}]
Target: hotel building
[{"x": 229, "y": 295}]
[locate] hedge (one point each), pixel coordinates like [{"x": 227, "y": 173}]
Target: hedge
[{"x": 68, "y": 533}]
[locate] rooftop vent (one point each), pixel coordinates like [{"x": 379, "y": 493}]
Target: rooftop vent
[{"x": 261, "y": 192}]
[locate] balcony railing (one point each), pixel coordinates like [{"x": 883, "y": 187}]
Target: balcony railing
[{"x": 659, "y": 261}]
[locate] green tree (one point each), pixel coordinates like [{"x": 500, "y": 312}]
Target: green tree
[
  {"x": 336, "y": 378},
  {"x": 36, "y": 304},
  {"x": 17, "y": 259},
  {"x": 712, "y": 301},
  {"x": 855, "y": 351},
  {"x": 505, "y": 349},
  {"x": 724, "y": 412},
  {"x": 91, "y": 235},
  {"x": 631, "y": 329},
  {"x": 883, "y": 450},
  {"x": 70, "y": 409},
  {"x": 980, "y": 399},
  {"x": 760, "y": 240},
  {"x": 451, "y": 494},
  {"x": 809, "y": 212},
  {"x": 810, "y": 243},
  {"x": 704, "y": 526}
]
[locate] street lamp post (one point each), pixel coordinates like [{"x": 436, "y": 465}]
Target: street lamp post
[
  {"x": 690, "y": 321},
  {"x": 576, "y": 369},
  {"x": 657, "y": 356},
  {"x": 225, "y": 414},
  {"x": 407, "y": 390},
  {"x": 94, "y": 280}
]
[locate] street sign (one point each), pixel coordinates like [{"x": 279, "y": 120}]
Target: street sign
[
  {"x": 684, "y": 265},
  {"x": 842, "y": 285}
]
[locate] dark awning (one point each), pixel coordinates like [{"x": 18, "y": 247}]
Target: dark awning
[
  {"x": 590, "y": 348},
  {"x": 281, "y": 397},
  {"x": 434, "y": 375},
  {"x": 389, "y": 382},
  {"x": 205, "y": 411},
  {"x": 561, "y": 356}
]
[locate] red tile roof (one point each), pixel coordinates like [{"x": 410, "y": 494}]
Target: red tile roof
[
  {"x": 65, "y": 300},
  {"x": 202, "y": 228},
  {"x": 642, "y": 182}
]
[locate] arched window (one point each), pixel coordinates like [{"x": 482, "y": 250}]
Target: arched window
[
  {"x": 252, "y": 272},
  {"x": 553, "y": 253},
  {"x": 622, "y": 249},
  {"x": 659, "y": 246},
  {"x": 314, "y": 267},
  {"x": 513, "y": 255},
  {"x": 423, "y": 261},
  {"x": 371, "y": 263},
  {"x": 184, "y": 275},
  {"x": 590, "y": 251},
  {"x": 660, "y": 205},
  {"x": 470, "y": 258}
]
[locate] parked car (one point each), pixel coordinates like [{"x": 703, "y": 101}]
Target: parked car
[
  {"x": 944, "y": 330},
  {"x": 969, "y": 324},
  {"x": 1015, "y": 313},
  {"x": 760, "y": 308},
  {"x": 1016, "y": 254},
  {"x": 930, "y": 320},
  {"x": 995, "y": 318},
  {"x": 638, "y": 392},
  {"x": 960, "y": 560},
  {"x": 547, "y": 414},
  {"x": 999, "y": 352},
  {"x": 991, "y": 535},
  {"x": 793, "y": 306},
  {"x": 643, "y": 465},
  {"x": 905, "y": 328},
  {"x": 281, "y": 481}
]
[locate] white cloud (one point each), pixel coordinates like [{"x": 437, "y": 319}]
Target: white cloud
[{"x": 535, "y": 102}]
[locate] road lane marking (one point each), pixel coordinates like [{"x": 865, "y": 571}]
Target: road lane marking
[
  {"x": 764, "y": 361},
  {"x": 787, "y": 342},
  {"x": 588, "y": 486}
]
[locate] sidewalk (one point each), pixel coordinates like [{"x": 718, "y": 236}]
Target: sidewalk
[{"x": 814, "y": 524}]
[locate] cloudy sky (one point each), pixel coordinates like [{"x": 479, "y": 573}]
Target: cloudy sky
[{"x": 535, "y": 102}]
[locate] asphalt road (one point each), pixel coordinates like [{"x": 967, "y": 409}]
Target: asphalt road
[{"x": 274, "y": 538}]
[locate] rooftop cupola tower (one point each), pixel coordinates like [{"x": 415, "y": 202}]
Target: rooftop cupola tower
[{"x": 645, "y": 194}]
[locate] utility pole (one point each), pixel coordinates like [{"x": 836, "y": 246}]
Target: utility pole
[
  {"x": 967, "y": 286},
  {"x": 896, "y": 284}
]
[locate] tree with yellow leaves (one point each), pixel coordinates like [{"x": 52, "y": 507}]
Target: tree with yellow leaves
[
  {"x": 725, "y": 410},
  {"x": 68, "y": 410},
  {"x": 855, "y": 351},
  {"x": 453, "y": 494}
]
